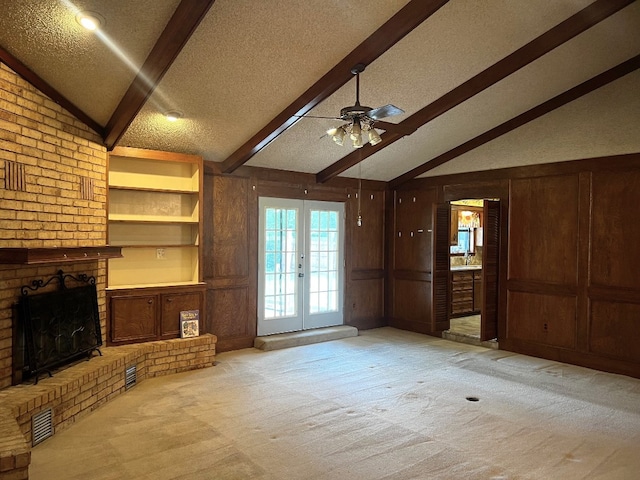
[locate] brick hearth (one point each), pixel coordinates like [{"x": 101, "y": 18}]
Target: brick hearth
[{"x": 85, "y": 386}]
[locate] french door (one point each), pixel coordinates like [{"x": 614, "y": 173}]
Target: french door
[{"x": 301, "y": 265}]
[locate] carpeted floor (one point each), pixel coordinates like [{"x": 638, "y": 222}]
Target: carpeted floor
[{"x": 387, "y": 404}]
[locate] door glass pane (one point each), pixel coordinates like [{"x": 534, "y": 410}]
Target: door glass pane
[
  {"x": 281, "y": 286},
  {"x": 323, "y": 268}
]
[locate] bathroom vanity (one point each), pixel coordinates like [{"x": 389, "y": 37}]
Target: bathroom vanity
[{"x": 466, "y": 290}]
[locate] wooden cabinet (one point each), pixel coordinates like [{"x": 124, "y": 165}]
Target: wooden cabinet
[
  {"x": 155, "y": 217},
  {"x": 147, "y": 314},
  {"x": 466, "y": 292},
  {"x": 477, "y": 290},
  {"x": 172, "y": 304},
  {"x": 133, "y": 318}
]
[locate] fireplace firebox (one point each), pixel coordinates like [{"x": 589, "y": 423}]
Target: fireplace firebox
[{"x": 57, "y": 327}]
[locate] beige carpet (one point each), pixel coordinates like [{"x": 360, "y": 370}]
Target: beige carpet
[{"x": 387, "y": 404}]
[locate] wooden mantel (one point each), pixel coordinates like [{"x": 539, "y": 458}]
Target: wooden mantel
[{"x": 55, "y": 255}]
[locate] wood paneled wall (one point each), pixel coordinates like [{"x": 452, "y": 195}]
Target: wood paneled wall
[
  {"x": 569, "y": 289},
  {"x": 230, "y": 243},
  {"x": 410, "y": 276},
  {"x": 229, "y": 259}
]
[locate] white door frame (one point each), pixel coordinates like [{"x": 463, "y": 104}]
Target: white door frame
[{"x": 303, "y": 286}]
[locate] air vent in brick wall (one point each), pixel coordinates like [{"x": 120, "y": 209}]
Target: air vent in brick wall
[
  {"x": 14, "y": 176},
  {"x": 86, "y": 188},
  {"x": 130, "y": 377},
  {"x": 42, "y": 426}
]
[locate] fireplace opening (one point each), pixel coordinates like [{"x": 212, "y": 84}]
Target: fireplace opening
[{"x": 56, "y": 328}]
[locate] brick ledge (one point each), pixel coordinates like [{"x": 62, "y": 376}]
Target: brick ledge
[{"x": 84, "y": 387}]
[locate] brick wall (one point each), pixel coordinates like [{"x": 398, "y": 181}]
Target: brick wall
[
  {"x": 84, "y": 387},
  {"x": 52, "y": 193}
]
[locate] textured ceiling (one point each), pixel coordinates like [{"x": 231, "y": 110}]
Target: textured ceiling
[
  {"x": 92, "y": 71},
  {"x": 247, "y": 61}
]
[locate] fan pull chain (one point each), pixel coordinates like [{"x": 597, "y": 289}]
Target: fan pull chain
[{"x": 359, "y": 222}]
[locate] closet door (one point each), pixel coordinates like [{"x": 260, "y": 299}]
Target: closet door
[{"x": 490, "y": 270}]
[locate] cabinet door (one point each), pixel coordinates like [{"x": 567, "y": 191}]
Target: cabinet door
[
  {"x": 477, "y": 290},
  {"x": 133, "y": 318},
  {"x": 172, "y": 305}
]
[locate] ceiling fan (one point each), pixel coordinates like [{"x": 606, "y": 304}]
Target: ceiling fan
[{"x": 360, "y": 119}]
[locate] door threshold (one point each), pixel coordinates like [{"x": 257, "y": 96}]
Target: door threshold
[
  {"x": 304, "y": 337},
  {"x": 470, "y": 339}
]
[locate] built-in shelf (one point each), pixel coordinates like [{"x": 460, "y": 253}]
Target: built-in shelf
[
  {"x": 55, "y": 255},
  {"x": 151, "y": 189},
  {"x": 155, "y": 215}
]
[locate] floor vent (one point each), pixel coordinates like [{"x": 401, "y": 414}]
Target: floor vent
[
  {"x": 42, "y": 426},
  {"x": 130, "y": 377}
]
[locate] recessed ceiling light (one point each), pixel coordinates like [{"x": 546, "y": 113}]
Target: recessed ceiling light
[
  {"x": 90, "y": 20},
  {"x": 173, "y": 115}
]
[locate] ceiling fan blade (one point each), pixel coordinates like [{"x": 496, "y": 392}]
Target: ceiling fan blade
[
  {"x": 399, "y": 128},
  {"x": 383, "y": 112}
]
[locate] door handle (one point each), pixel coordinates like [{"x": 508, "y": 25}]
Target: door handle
[{"x": 300, "y": 275}]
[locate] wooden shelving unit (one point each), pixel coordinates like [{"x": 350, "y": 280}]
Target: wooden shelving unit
[{"x": 155, "y": 216}]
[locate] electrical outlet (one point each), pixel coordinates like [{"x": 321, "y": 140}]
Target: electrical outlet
[{"x": 160, "y": 253}]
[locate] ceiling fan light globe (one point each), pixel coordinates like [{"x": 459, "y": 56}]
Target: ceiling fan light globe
[
  {"x": 357, "y": 141},
  {"x": 337, "y": 135},
  {"x": 356, "y": 131},
  {"x": 374, "y": 138}
]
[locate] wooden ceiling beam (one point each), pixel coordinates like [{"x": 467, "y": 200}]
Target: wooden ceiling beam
[
  {"x": 396, "y": 28},
  {"x": 174, "y": 37},
  {"x": 526, "y": 117},
  {"x": 25, "y": 72},
  {"x": 561, "y": 33}
]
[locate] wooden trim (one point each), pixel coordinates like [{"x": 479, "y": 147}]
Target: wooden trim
[
  {"x": 585, "y": 220},
  {"x": 367, "y": 274},
  {"x": 411, "y": 275},
  {"x": 497, "y": 189},
  {"x": 293, "y": 179},
  {"x": 413, "y": 326},
  {"x": 615, "y": 294},
  {"x": 146, "y": 154},
  {"x": 396, "y": 28},
  {"x": 181, "y": 26},
  {"x": 542, "y": 288},
  {"x": 25, "y": 72},
  {"x": 48, "y": 256},
  {"x": 564, "y": 355},
  {"x": 235, "y": 343},
  {"x": 596, "y": 164},
  {"x": 516, "y": 122},
  {"x": 561, "y": 33}
]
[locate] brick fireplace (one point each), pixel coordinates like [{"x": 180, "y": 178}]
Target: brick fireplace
[{"x": 53, "y": 174}]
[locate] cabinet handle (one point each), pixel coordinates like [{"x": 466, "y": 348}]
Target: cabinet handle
[
  {"x": 169, "y": 299},
  {"x": 150, "y": 301}
]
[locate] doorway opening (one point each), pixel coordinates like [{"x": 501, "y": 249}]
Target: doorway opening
[
  {"x": 473, "y": 271},
  {"x": 300, "y": 265}
]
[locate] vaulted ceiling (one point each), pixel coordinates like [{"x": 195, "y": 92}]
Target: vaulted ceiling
[{"x": 483, "y": 84}]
